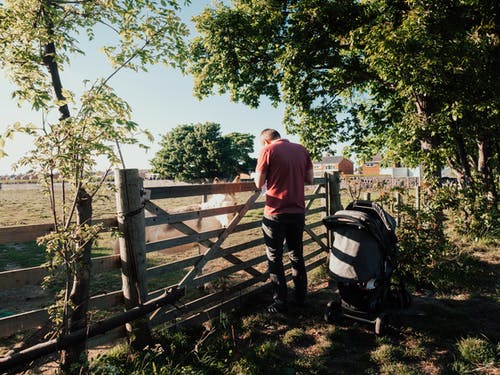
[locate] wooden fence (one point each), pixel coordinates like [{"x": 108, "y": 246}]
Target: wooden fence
[
  {"x": 378, "y": 182},
  {"x": 232, "y": 259}
]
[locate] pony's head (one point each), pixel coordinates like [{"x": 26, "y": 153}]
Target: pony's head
[{"x": 221, "y": 200}]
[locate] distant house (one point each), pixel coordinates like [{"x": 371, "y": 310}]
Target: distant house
[
  {"x": 400, "y": 172},
  {"x": 372, "y": 167},
  {"x": 333, "y": 164}
]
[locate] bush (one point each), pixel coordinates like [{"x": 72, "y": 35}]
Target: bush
[
  {"x": 475, "y": 217},
  {"x": 425, "y": 252}
]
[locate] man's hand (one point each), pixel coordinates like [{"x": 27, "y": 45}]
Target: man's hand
[
  {"x": 259, "y": 179},
  {"x": 309, "y": 177}
]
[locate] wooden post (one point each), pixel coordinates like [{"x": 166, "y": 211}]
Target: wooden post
[
  {"x": 329, "y": 242},
  {"x": 130, "y": 211},
  {"x": 333, "y": 183},
  {"x": 333, "y": 204},
  {"x": 417, "y": 197},
  {"x": 367, "y": 196},
  {"x": 397, "y": 196}
]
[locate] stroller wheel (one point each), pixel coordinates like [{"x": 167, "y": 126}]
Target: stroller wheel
[
  {"x": 381, "y": 325},
  {"x": 332, "y": 312}
]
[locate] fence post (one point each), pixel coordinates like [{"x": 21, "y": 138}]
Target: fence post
[
  {"x": 131, "y": 224},
  {"x": 333, "y": 204},
  {"x": 367, "y": 196},
  {"x": 333, "y": 189},
  {"x": 397, "y": 195},
  {"x": 417, "y": 197}
]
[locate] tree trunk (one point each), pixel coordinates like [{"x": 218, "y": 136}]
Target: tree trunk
[
  {"x": 486, "y": 173},
  {"x": 74, "y": 359},
  {"x": 465, "y": 174},
  {"x": 48, "y": 59},
  {"x": 430, "y": 171}
]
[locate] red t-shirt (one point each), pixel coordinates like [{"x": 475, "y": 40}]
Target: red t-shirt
[{"x": 285, "y": 165}]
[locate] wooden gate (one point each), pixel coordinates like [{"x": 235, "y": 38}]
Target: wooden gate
[{"x": 230, "y": 260}]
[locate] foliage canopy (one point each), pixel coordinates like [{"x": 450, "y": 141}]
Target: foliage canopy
[
  {"x": 199, "y": 151},
  {"x": 415, "y": 81}
]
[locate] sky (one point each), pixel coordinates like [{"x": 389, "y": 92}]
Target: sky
[{"x": 161, "y": 99}]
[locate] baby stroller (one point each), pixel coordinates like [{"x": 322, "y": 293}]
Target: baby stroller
[{"x": 362, "y": 261}]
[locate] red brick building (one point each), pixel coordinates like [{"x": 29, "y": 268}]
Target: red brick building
[
  {"x": 333, "y": 164},
  {"x": 372, "y": 167}
]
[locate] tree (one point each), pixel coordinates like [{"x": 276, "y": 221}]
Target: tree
[
  {"x": 415, "y": 81},
  {"x": 238, "y": 157},
  {"x": 199, "y": 151},
  {"x": 37, "y": 41}
]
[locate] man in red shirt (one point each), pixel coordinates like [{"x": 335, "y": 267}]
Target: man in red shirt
[{"x": 284, "y": 167}]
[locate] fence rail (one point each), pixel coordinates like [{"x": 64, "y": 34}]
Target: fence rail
[{"x": 27, "y": 233}]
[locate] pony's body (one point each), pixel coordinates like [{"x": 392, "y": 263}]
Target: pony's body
[{"x": 167, "y": 231}]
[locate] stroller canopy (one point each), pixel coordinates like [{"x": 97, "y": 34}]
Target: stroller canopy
[{"x": 363, "y": 238}]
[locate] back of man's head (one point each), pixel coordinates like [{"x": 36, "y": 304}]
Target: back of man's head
[{"x": 269, "y": 135}]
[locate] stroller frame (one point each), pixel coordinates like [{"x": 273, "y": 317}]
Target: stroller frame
[{"x": 370, "y": 301}]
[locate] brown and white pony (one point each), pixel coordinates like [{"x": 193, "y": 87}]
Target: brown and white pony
[{"x": 166, "y": 231}]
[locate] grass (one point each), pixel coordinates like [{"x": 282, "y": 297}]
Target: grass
[
  {"x": 438, "y": 335},
  {"x": 21, "y": 255},
  {"x": 31, "y": 206}
]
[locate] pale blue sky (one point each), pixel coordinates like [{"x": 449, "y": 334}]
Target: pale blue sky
[{"x": 161, "y": 99}]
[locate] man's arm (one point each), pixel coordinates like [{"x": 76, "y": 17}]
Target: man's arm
[
  {"x": 309, "y": 176},
  {"x": 259, "y": 179}
]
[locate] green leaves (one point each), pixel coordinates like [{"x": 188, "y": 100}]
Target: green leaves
[
  {"x": 411, "y": 80},
  {"x": 199, "y": 151}
]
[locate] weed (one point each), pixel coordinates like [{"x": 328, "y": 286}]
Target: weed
[
  {"x": 415, "y": 348},
  {"x": 475, "y": 353},
  {"x": 398, "y": 368},
  {"x": 244, "y": 367},
  {"x": 310, "y": 366},
  {"x": 385, "y": 353},
  {"x": 318, "y": 274}
]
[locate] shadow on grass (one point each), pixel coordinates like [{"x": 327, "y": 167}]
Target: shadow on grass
[{"x": 467, "y": 274}]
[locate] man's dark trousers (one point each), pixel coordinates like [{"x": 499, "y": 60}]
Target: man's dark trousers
[{"x": 277, "y": 229}]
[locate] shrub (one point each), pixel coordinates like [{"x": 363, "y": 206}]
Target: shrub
[
  {"x": 475, "y": 216},
  {"x": 425, "y": 252}
]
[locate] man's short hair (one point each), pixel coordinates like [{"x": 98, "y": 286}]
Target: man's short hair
[{"x": 270, "y": 134}]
